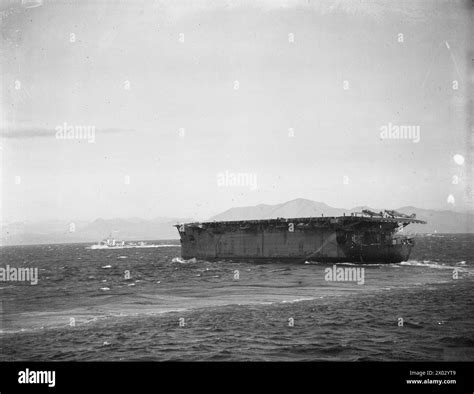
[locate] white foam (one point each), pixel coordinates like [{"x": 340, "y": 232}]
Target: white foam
[
  {"x": 430, "y": 264},
  {"x": 298, "y": 300},
  {"x": 182, "y": 261}
]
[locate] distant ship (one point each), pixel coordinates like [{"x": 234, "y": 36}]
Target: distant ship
[
  {"x": 112, "y": 243},
  {"x": 109, "y": 243},
  {"x": 365, "y": 237}
]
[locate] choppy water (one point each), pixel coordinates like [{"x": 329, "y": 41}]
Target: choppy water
[{"x": 224, "y": 318}]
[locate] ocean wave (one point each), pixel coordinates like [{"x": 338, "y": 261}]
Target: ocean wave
[
  {"x": 55, "y": 320},
  {"x": 426, "y": 263},
  {"x": 364, "y": 264},
  {"x": 347, "y": 263},
  {"x": 298, "y": 300},
  {"x": 19, "y": 331},
  {"x": 183, "y": 261}
]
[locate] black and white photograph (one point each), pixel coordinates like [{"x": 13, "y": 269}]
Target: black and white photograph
[{"x": 272, "y": 182}]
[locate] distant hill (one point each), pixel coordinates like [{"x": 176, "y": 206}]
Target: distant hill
[
  {"x": 134, "y": 229},
  {"x": 294, "y": 208},
  {"x": 438, "y": 221}
]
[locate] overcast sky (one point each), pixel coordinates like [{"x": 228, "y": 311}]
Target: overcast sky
[{"x": 292, "y": 94}]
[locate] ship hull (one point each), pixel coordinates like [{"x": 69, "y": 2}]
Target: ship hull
[{"x": 256, "y": 243}]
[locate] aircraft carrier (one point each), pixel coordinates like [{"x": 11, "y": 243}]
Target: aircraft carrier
[{"x": 365, "y": 237}]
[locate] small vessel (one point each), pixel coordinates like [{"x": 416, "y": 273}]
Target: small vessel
[
  {"x": 112, "y": 243},
  {"x": 109, "y": 243}
]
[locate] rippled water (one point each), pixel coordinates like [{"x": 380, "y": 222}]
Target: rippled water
[{"x": 85, "y": 308}]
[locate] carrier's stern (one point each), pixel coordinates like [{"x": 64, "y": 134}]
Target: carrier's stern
[{"x": 365, "y": 237}]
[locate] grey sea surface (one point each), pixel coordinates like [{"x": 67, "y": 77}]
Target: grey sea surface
[{"x": 148, "y": 304}]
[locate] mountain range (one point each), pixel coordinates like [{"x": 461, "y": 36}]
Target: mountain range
[
  {"x": 437, "y": 221},
  {"x": 133, "y": 229}
]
